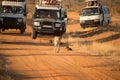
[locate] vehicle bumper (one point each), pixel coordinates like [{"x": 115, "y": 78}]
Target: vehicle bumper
[
  {"x": 12, "y": 26},
  {"x": 90, "y": 23},
  {"x": 48, "y": 30}
]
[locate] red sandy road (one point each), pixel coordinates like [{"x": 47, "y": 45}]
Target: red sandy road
[{"x": 36, "y": 60}]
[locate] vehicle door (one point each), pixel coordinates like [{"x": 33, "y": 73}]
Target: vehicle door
[
  {"x": 101, "y": 15},
  {"x": 107, "y": 15}
]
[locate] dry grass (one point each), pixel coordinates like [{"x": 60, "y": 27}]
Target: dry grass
[{"x": 93, "y": 48}]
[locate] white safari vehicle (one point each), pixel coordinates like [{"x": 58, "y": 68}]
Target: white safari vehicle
[
  {"x": 13, "y": 16},
  {"x": 50, "y": 18},
  {"x": 94, "y": 14}
]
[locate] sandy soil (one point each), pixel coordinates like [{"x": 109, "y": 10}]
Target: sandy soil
[{"x": 90, "y": 59}]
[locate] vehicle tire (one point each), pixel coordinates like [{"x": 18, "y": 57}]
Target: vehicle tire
[
  {"x": 3, "y": 30},
  {"x": 22, "y": 31},
  {"x": 65, "y": 30},
  {"x": 0, "y": 30},
  {"x": 108, "y": 22},
  {"x": 34, "y": 34}
]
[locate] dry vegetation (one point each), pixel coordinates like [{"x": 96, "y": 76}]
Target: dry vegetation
[{"x": 76, "y": 5}]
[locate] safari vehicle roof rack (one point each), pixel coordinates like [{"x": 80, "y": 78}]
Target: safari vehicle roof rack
[
  {"x": 49, "y": 2},
  {"x": 12, "y": 3},
  {"x": 16, "y": 0},
  {"x": 52, "y": 7}
]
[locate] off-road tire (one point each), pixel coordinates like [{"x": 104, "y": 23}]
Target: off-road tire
[
  {"x": 22, "y": 31},
  {"x": 34, "y": 34},
  {"x": 0, "y": 30}
]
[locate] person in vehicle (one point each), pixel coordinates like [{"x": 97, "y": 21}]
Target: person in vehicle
[{"x": 93, "y": 3}]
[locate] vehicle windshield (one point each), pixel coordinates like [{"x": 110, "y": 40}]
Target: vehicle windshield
[
  {"x": 12, "y": 9},
  {"x": 54, "y": 14},
  {"x": 90, "y": 11}
]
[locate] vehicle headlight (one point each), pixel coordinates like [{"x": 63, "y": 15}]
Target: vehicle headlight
[
  {"x": 1, "y": 19},
  {"x": 20, "y": 20},
  {"x": 58, "y": 25},
  {"x": 82, "y": 21},
  {"x": 36, "y": 24}
]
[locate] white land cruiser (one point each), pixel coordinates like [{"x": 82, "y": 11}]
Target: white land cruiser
[
  {"x": 13, "y": 16},
  {"x": 49, "y": 19},
  {"x": 94, "y": 16}
]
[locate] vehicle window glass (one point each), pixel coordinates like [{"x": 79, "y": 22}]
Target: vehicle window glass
[
  {"x": 12, "y": 9},
  {"x": 47, "y": 14},
  {"x": 90, "y": 11}
]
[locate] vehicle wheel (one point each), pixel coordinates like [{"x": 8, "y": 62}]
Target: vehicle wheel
[
  {"x": 0, "y": 30},
  {"x": 108, "y": 22},
  {"x": 3, "y": 30},
  {"x": 34, "y": 34},
  {"x": 65, "y": 30},
  {"x": 22, "y": 31}
]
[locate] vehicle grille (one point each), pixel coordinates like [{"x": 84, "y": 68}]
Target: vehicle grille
[
  {"x": 10, "y": 21},
  {"x": 89, "y": 22},
  {"x": 47, "y": 27},
  {"x": 47, "y": 23}
]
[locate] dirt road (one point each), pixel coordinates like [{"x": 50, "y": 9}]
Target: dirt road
[{"x": 36, "y": 60}]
